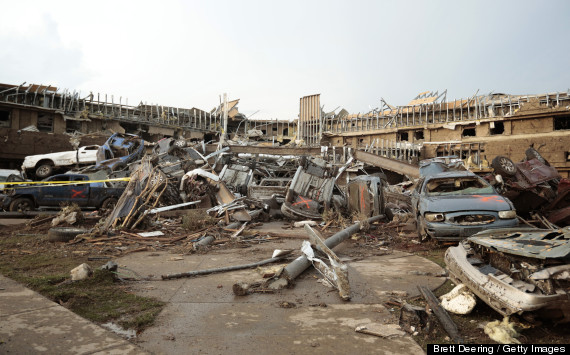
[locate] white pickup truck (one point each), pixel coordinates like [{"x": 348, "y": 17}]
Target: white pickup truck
[{"x": 44, "y": 165}]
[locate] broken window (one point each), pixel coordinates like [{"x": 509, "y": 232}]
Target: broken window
[
  {"x": 45, "y": 122},
  {"x": 561, "y": 122},
  {"x": 458, "y": 186},
  {"x": 264, "y": 131},
  {"x": 285, "y": 131},
  {"x": 5, "y": 121},
  {"x": 496, "y": 128},
  {"x": 72, "y": 126},
  {"x": 419, "y": 135},
  {"x": 403, "y": 136},
  {"x": 469, "y": 131}
]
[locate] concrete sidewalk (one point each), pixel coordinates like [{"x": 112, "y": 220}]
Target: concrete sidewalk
[{"x": 32, "y": 324}]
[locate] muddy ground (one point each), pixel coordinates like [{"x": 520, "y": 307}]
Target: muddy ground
[{"x": 133, "y": 300}]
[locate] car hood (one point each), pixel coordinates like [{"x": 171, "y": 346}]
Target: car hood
[{"x": 466, "y": 203}]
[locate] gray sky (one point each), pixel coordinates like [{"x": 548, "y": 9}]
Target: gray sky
[{"x": 269, "y": 53}]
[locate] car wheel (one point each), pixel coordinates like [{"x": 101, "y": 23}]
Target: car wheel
[
  {"x": 504, "y": 166},
  {"x": 422, "y": 234},
  {"x": 44, "y": 170},
  {"x": 21, "y": 204},
  {"x": 109, "y": 204},
  {"x": 64, "y": 234},
  {"x": 532, "y": 153},
  {"x": 389, "y": 214},
  {"x": 180, "y": 143}
]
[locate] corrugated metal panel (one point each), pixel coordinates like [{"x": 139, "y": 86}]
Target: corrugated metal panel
[{"x": 310, "y": 118}]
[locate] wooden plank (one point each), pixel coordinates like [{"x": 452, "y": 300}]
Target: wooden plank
[{"x": 441, "y": 314}]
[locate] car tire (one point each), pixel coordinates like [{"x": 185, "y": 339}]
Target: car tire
[
  {"x": 532, "y": 153},
  {"x": 422, "y": 234},
  {"x": 44, "y": 170},
  {"x": 21, "y": 204},
  {"x": 389, "y": 214},
  {"x": 109, "y": 204},
  {"x": 64, "y": 234},
  {"x": 180, "y": 143},
  {"x": 504, "y": 166}
]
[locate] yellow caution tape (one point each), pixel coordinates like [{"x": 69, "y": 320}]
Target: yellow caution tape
[
  {"x": 64, "y": 182},
  {"x": 60, "y": 183}
]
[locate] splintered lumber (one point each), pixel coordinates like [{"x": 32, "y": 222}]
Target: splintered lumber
[
  {"x": 238, "y": 232},
  {"x": 441, "y": 314}
]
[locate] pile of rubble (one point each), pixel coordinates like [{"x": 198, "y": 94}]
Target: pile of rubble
[{"x": 161, "y": 183}]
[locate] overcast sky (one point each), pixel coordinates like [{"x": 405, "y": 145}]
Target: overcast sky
[{"x": 269, "y": 53}]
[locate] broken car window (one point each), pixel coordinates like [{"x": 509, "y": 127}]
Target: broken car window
[{"x": 458, "y": 186}]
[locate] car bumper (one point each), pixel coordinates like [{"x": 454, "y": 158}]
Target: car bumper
[
  {"x": 456, "y": 232},
  {"x": 499, "y": 295}
]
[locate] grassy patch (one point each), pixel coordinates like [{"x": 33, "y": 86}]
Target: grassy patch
[
  {"x": 197, "y": 219},
  {"x": 44, "y": 267}
]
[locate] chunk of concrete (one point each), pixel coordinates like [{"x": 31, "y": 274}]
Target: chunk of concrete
[
  {"x": 381, "y": 330},
  {"x": 81, "y": 272}
]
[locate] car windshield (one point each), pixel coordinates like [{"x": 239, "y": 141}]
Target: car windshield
[{"x": 458, "y": 186}]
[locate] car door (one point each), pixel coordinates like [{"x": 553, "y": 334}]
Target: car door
[
  {"x": 88, "y": 154},
  {"x": 78, "y": 193},
  {"x": 52, "y": 194}
]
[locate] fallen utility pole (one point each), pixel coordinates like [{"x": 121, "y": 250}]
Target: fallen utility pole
[
  {"x": 227, "y": 268},
  {"x": 295, "y": 268}
]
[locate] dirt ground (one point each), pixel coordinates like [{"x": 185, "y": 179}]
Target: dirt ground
[{"x": 29, "y": 258}]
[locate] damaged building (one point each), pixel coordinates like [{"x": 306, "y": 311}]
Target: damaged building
[
  {"x": 41, "y": 119},
  {"x": 476, "y": 129}
]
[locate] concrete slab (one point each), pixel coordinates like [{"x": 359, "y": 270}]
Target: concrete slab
[
  {"x": 222, "y": 328},
  {"x": 203, "y": 314},
  {"x": 30, "y": 324}
]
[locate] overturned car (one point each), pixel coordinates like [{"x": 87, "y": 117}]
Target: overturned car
[
  {"x": 310, "y": 191},
  {"x": 516, "y": 270}
]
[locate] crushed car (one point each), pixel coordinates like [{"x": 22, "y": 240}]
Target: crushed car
[
  {"x": 452, "y": 205},
  {"x": 8, "y": 175},
  {"x": 62, "y": 189},
  {"x": 366, "y": 195},
  {"x": 42, "y": 166},
  {"x": 530, "y": 184},
  {"x": 119, "y": 150},
  {"x": 310, "y": 191},
  {"x": 516, "y": 271}
]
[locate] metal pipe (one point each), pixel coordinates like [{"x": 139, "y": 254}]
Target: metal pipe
[
  {"x": 204, "y": 242},
  {"x": 300, "y": 264},
  {"x": 222, "y": 269}
]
